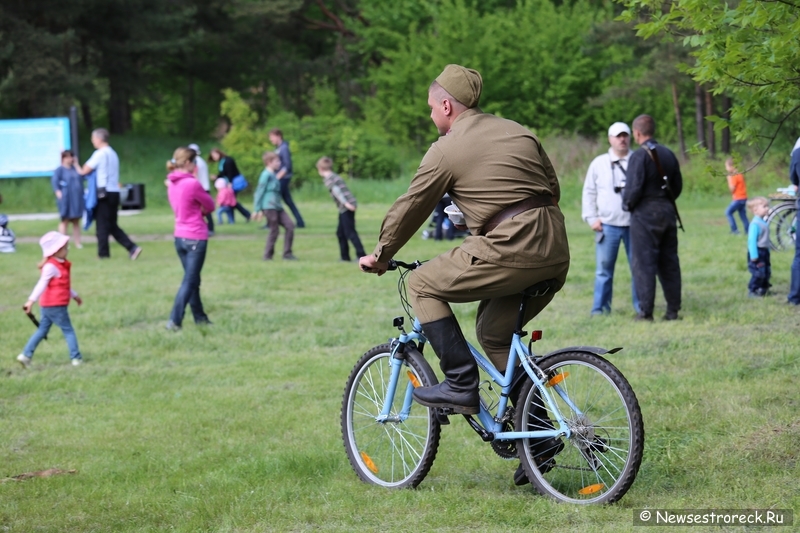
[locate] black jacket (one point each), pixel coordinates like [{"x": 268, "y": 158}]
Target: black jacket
[
  {"x": 644, "y": 183},
  {"x": 229, "y": 168}
]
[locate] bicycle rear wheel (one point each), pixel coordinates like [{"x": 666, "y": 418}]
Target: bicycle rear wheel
[
  {"x": 599, "y": 462},
  {"x": 398, "y": 452}
]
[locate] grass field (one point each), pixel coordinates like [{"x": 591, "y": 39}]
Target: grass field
[{"x": 235, "y": 427}]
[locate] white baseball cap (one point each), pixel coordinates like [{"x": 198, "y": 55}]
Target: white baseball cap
[
  {"x": 197, "y": 148},
  {"x": 52, "y": 242},
  {"x": 615, "y": 129}
]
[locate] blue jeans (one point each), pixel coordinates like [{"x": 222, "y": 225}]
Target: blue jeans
[
  {"x": 228, "y": 210},
  {"x": 287, "y": 199},
  {"x": 60, "y": 317},
  {"x": 192, "y": 253},
  {"x": 606, "y": 253},
  {"x": 737, "y": 206}
]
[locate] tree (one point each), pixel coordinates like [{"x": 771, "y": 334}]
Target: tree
[{"x": 747, "y": 50}]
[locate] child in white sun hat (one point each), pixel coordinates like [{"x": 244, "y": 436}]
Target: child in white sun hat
[{"x": 54, "y": 293}]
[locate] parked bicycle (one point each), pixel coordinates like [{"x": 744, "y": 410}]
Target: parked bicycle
[
  {"x": 782, "y": 221},
  {"x": 570, "y": 417}
]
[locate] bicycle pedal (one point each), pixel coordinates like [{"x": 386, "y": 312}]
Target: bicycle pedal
[{"x": 442, "y": 415}]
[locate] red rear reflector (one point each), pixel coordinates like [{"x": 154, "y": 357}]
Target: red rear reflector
[{"x": 536, "y": 335}]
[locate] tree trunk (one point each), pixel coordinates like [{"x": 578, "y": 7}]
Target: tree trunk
[
  {"x": 86, "y": 111},
  {"x": 698, "y": 115},
  {"x": 678, "y": 119},
  {"x": 119, "y": 110},
  {"x": 190, "y": 105},
  {"x": 711, "y": 139},
  {"x": 726, "y": 131}
]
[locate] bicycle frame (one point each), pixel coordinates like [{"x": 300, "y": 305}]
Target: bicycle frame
[{"x": 491, "y": 424}]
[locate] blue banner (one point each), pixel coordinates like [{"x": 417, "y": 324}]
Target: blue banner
[{"x": 32, "y": 147}]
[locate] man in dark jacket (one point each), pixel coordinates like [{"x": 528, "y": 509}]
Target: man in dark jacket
[
  {"x": 794, "y": 177},
  {"x": 285, "y": 173},
  {"x": 649, "y": 196}
]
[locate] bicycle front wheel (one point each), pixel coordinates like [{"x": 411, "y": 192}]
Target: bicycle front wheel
[
  {"x": 396, "y": 452},
  {"x": 599, "y": 461}
]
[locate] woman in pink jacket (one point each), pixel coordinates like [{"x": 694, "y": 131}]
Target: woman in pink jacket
[{"x": 190, "y": 203}]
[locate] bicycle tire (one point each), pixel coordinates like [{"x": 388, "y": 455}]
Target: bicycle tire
[
  {"x": 782, "y": 225},
  {"x": 599, "y": 462},
  {"x": 395, "y": 454}
]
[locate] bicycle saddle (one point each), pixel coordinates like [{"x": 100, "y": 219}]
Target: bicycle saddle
[{"x": 543, "y": 287}]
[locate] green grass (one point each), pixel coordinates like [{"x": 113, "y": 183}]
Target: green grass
[{"x": 235, "y": 428}]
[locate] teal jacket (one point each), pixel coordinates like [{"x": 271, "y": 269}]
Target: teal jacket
[{"x": 268, "y": 192}]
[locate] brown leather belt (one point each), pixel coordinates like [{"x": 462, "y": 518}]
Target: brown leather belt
[{"x": 515, "y": 209}]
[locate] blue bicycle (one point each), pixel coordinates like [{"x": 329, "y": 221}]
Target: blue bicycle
[{"x": 570, "y": 416}]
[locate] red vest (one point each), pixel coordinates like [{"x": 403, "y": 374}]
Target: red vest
[{"x": 57, "y": 291}]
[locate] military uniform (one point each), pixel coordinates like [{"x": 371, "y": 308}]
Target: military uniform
[
  {"x": 654, "y": 230},
  {"x": 486, "y": 164}
]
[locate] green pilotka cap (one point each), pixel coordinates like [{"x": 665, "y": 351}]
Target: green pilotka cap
[{"x": 465, "y": 84}]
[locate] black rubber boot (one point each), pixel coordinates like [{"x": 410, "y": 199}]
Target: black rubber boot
[
  {"x": 459, "y": 390},
  {"x": 542, "y": 450}
]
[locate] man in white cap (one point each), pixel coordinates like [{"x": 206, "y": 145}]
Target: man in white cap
[
  {"x": 602, "y": 210},
  {"x": 201, "y": 173}
]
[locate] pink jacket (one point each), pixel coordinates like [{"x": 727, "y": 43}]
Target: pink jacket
[
  {"x": 189, "y": 202},
  {"x": 226, "y": 197}
]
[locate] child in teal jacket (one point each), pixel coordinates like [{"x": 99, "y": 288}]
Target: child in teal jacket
[{"x": 267, "y": 203}]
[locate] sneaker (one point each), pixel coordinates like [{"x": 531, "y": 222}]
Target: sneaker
[
  {"x": 671, "y": 316},
  {"x": 135, "y": 253},
  {"x": 172, "y": 326},
  {"x": 205, "y": 322},
  {"x": 79, "y": 246},
  {"x": 643, "y": 317},
  {"x": 290, "y": 257},
  {"x": 24, "y": 360},
  {"x": 77, "y": 361}
]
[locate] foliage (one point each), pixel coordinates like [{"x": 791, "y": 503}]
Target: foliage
[
  {"x": 747, "y": 49},
  {"x": 356, "y": 149},
  {"x": 531, "y": 57}
]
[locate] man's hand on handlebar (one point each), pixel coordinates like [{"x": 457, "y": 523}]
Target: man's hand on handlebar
[{"x": 369, "y": 264}]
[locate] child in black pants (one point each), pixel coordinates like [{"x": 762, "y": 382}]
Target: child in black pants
[
  {"x": 346, "y": 203},
  {"x": 758, "y": 248}
]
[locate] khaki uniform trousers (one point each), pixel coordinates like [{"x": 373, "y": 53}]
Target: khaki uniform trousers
[{"x": 458, "y": 277}]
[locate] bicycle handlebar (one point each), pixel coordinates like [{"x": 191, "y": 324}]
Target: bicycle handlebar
[{"x": 394, "y": 264}]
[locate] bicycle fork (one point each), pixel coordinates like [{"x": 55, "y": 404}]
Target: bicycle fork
[{"x": 396, "y": 366}]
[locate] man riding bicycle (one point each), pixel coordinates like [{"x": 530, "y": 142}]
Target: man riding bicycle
[{"x": 500, "y": 177}]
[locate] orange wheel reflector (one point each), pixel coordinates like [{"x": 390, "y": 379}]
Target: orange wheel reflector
[
  {"x": 368, "y": 463},
  {"x": 413, "y": 379},
  {"x": 591, "y": 489},
  {"x": 558, "y": 378}
]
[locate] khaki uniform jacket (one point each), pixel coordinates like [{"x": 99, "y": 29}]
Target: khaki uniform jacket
[{"x": 486, "y": 163}]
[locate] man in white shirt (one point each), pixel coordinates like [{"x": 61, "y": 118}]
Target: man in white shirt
[
  {"x": 201, "y": 172},
  {"x": 602, "y": 210},
  {"x": 105, "y": 161}
]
